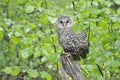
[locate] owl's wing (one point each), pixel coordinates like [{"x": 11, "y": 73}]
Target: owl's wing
[
  {"x": 68, "y": 46},
  {"x": 66, "y": 43},
  {"x": 82, "y": 37},
  {"x": 83, "y": 47}
]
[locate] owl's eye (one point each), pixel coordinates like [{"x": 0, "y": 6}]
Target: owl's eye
[
  {"x": 67, "y": 21},
  {"x": 61, "y": 22}
]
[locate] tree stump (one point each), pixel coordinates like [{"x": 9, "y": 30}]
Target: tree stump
[{"x": 70, "y": 68}]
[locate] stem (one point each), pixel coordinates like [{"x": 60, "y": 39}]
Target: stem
[
  {"x": 89, "y": 37},
  {"x": 74, "y": 9},
  {"x": 52, "y": 38},
  {"x": 100, "y": 70},
  {"x": 46, "y": 4},
  {"x": 115, "y": 7},
  {"x": 73, "y": 6},
  {"x": 91, "y": 2}
]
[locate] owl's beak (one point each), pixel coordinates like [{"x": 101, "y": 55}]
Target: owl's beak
[{"x": 64, "y": 24}]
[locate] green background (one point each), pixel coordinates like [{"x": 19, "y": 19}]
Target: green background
[{"x": 29, "y": 46}]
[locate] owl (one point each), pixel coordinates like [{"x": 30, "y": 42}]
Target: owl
[{"x": 75, "y": 44}]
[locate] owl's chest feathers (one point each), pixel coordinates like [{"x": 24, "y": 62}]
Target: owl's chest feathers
[{"x": 66, "y": 35}]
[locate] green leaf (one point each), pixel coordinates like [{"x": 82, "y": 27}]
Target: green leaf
[
  {"x": 7, "y": 70},
  {"x": 15, "y": 71},
  {"x": 117, "y": 1},
  {"x": 1, "y": 35},
  {"x": 17, "y": 34},
  {"x": 51, "y": 19},
  {"x": 22, "y": 1},
  {"x": 32, "y": 25},
  {"x": 43, "y": 19},
  {"x": 52, "y": 58},
  {"x": 108, "y": 53},
  {"x": 46, "y": 75},
  {"x": 1, "y": 29},
  {"x": 26, "y": 53},
  {"x": 37, "y": 53},
  {"x": 33, "y": 73},
  {"x": 29, "y": 9},
  {"x": 15, "y": 40},
  {"x": 115, "y": 63}
]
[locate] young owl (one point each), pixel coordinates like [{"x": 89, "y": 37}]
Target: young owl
[{"x": 75, "y": 44}]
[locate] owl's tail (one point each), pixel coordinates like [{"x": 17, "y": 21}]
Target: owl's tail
[{"x": 77, "y": 55}]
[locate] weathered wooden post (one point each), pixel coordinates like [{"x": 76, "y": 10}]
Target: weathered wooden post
[{"x": 70, "y": 68}]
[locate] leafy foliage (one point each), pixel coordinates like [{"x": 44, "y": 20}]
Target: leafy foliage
[{"x": 28, "y": 40}]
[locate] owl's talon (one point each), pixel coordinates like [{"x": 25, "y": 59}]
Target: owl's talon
[{"x": 67, "y": 55}]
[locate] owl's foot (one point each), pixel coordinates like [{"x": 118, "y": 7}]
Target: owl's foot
[{"x": 67, "y": 54}]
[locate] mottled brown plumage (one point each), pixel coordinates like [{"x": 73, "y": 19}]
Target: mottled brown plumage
[{"x": 75, "y": 44}]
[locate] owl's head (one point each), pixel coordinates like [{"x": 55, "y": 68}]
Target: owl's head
[{"x": 64, "y": 22}]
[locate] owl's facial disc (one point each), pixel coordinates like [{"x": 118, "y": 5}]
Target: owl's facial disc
[{"x": 64, "y": 22}]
